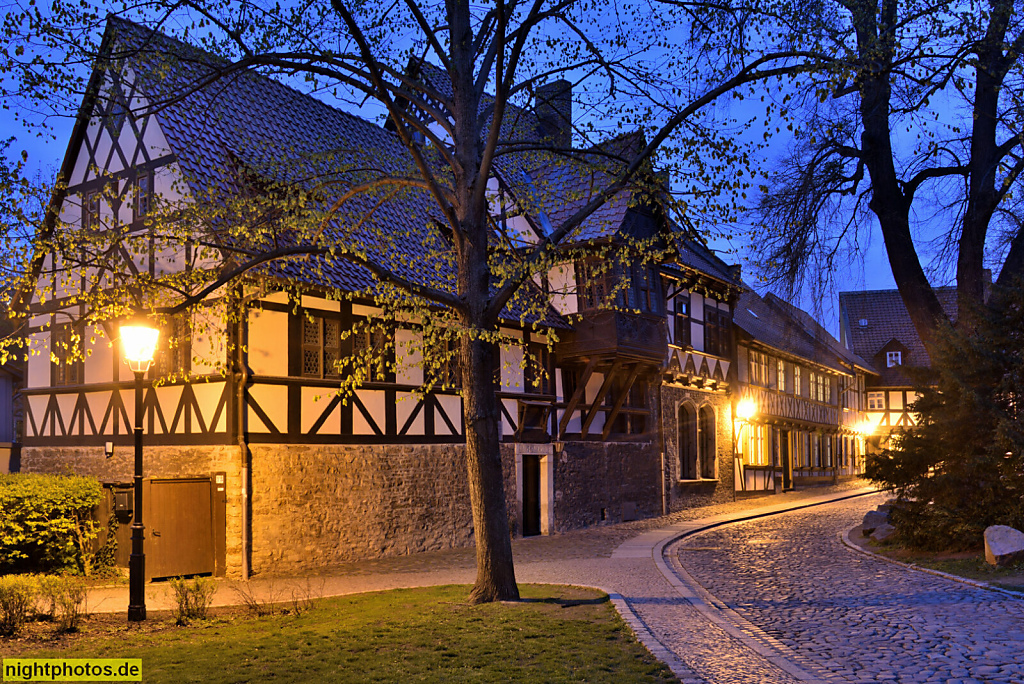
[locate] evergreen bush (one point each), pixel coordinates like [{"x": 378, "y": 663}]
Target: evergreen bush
[
  {"x": 961, "y": 468},
  {"x": 46, "y": 524}
]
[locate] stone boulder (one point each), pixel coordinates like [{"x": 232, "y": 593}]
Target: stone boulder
[
  {"x": 874, "y": 519},
  {"x": 882, "y": 532},
  {"x": 1003, "y": 545}
]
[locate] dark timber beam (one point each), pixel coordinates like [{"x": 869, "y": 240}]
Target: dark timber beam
[
  {"x": 581, "y": 389},
  {"x": 619, "y": 402},
  {"x": 601, "y": 394}
]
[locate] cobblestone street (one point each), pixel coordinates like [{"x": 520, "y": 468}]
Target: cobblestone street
[{"x": 847, "y": 617}]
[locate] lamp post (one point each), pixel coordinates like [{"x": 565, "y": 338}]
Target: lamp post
[
  {"x": 138, "y": 340},
  {"x": 745, "y": 410},
  {"x": 865, "y": 429}
]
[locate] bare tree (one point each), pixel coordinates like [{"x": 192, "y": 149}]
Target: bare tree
[{"x": 920, "y": 117}]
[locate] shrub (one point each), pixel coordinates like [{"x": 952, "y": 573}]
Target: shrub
[
  {"x": 259, "y": 604},
  {"x": 17, "y": 597},
  {"x": 192, "y": 598},
  {"x": 63, "y": 599},
  {"x": 45, "y": 522}
]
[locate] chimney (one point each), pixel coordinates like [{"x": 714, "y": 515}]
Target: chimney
[{"x": 553, "y": 104}]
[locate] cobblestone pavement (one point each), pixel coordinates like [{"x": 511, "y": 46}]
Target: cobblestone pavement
[{"x": 848, "y": 617}]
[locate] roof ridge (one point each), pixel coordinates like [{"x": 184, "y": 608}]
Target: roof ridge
[{"x": 214, "y": 58}]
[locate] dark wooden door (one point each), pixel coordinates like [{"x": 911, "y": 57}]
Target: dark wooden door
[
  {"x": 180, "y": 532},
  {"x": 787, "y": 466},
  {"x": 531, "y": 495}
]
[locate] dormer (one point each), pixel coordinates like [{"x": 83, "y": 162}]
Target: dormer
[{"x": 892, "y": 354}]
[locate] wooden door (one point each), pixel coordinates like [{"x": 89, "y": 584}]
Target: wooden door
[{"x": 180, "y": 532}]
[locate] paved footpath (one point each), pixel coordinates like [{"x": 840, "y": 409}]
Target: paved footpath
[{"x": 791, "y": 587}]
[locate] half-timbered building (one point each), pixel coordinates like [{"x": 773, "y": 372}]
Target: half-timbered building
[
  {"x": 806, "y": 391},
  {"x": 249, "y": 446},
  {"x": 875, "y": 325}
]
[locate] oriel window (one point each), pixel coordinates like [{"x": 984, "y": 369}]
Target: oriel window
[{"x": 538, "y": 374}]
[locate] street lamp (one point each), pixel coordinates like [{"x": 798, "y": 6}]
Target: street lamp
[
  {"x": 138, "y": 340},
  {"x": 745, "y": 410},
  {"x": 865, "y": 429}
]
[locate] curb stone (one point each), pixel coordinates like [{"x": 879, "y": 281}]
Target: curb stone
[
  {"x": 717, "y": 612},
  {"x": 845, "y": 537}
]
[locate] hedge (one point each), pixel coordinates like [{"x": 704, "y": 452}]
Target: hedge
[{"x": 45, "y": 523}]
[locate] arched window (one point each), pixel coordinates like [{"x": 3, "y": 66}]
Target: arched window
[
  {"x": 687, "y": 442},
  {"x": 706, "y": 442}
]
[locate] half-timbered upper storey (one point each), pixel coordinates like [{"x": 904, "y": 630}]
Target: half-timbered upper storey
[
  {"x": 806, "y": 391},
  {"x": 169, "y": 174}
]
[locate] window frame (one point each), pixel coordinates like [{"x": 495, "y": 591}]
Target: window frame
[
  {"x": 326, "y": 355},
  {"x": 681, "y": 321},
  {"x": 780, "y": 377},
  {"x": 593, "y": 292},
  {"x": 142, "y": 200},
  {"x": 62, "y": 372},
  {"x": 716, "y": 331},
  {"x": 168, "y": 360},
  {"x": 91, "y": 209},
  {"x": 893, "y": 358}
]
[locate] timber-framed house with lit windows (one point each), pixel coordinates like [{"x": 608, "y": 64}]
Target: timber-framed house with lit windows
[
  {"x": 248, "y": 444},
  {"x": 808, "y": 393},
  {"x": 875, "y": 325}
]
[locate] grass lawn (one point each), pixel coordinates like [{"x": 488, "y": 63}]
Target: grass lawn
[{"x": 557, "y": 634}]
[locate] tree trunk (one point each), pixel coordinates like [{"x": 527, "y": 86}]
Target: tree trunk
[
  {"x": 875, "y": 44},
  {"x": 982, "y": 195},
  {"x": 495, "y": 573}
]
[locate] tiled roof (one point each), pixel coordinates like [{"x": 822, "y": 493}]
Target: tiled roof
[
  {"x": 776, "y": 324},
  {"x": 692, "y": 254},
  {"x": 248, "y": 123},
  {"x": 815, "y": 330},
  {"x": 885, "y": 317}
]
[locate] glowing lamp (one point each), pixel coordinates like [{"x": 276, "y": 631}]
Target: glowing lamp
[
  {"x": 865, "y": 429},
  {"x": 139, "y": 343},
  {"x": 745, "y": 409}
]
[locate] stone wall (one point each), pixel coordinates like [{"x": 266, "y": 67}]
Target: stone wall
[
  {"x": 606, "y": 482},
  {"x": 159, "y": 462},
  {"x": 690, "y": 493},
  {"x": 319, "y": 505},
  {"x": 315, "y": 505}
]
